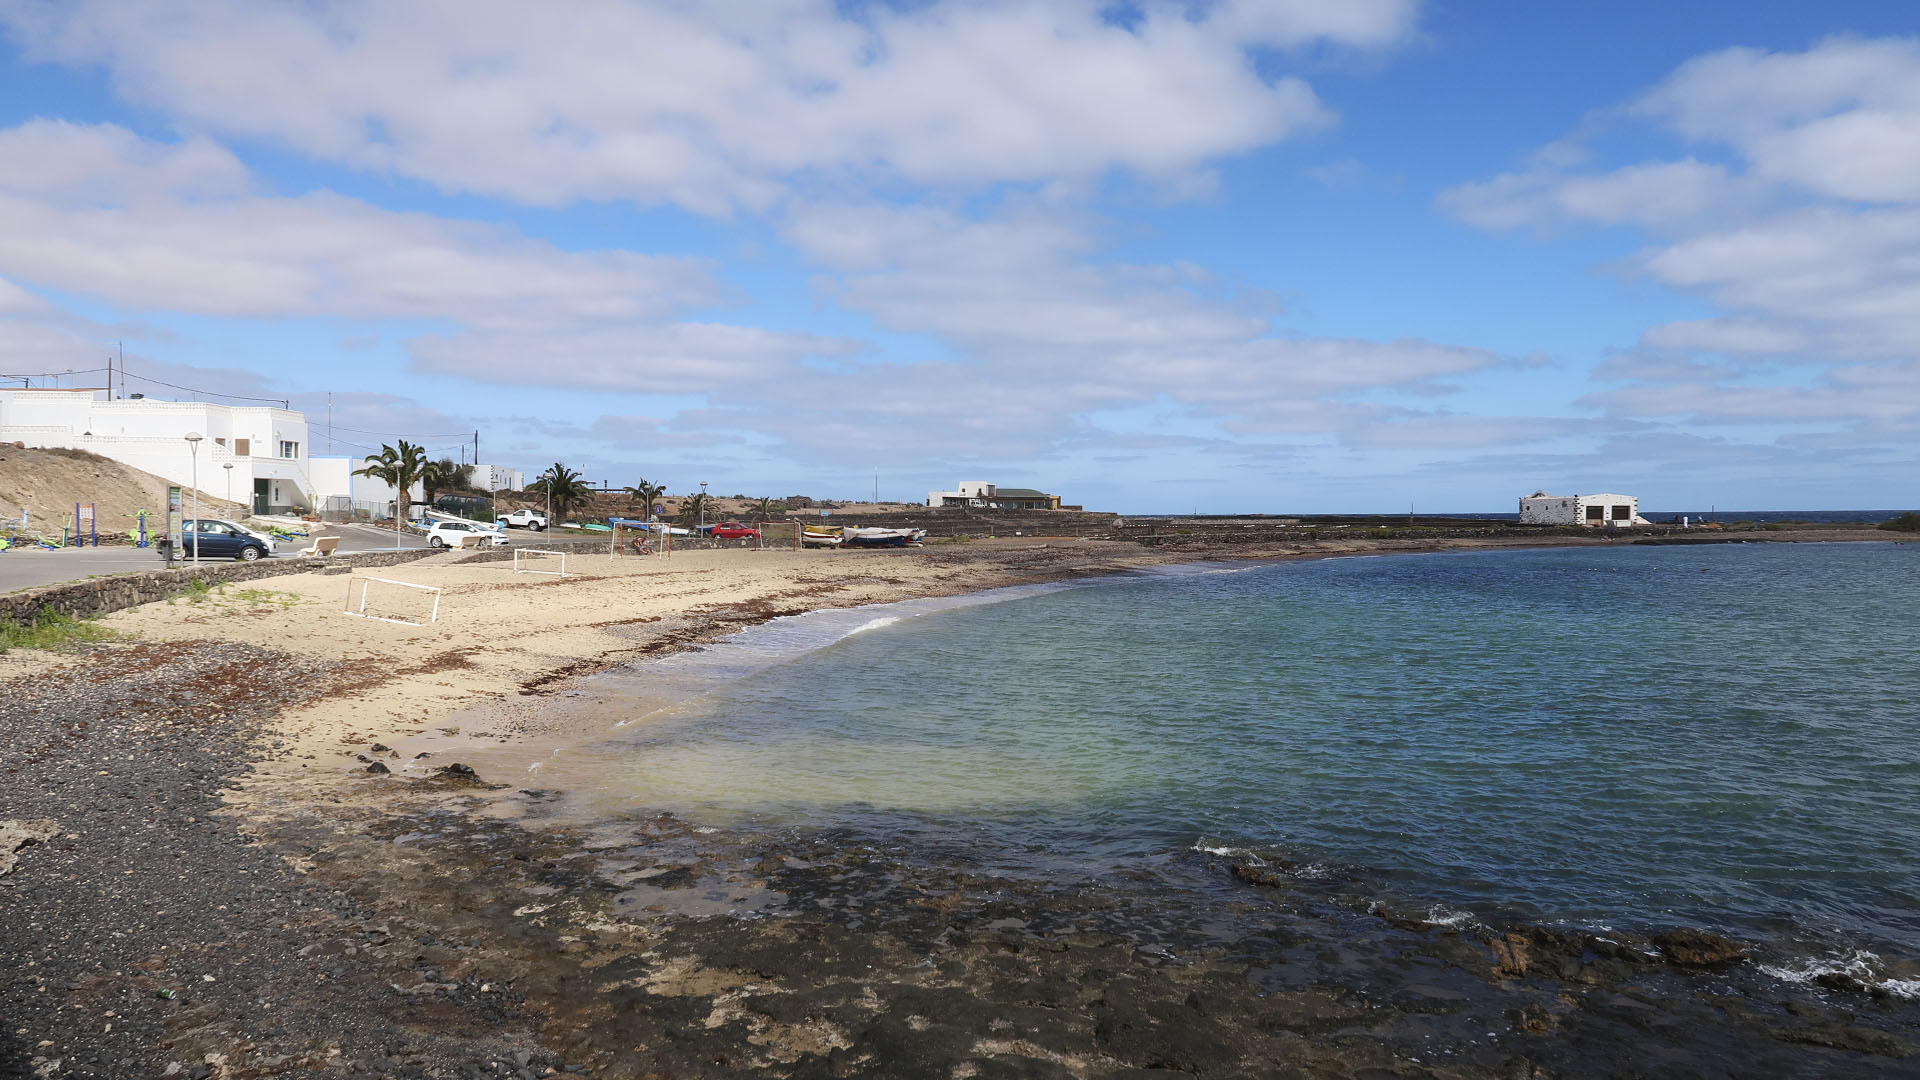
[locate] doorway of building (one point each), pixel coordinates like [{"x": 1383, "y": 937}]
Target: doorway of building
[{"x": 260, "y": 492}]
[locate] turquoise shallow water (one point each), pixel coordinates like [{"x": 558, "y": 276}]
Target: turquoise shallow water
[{"x": 1722, "y": 736}]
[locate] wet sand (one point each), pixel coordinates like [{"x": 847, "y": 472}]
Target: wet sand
[{"x": 440, "y": 926}]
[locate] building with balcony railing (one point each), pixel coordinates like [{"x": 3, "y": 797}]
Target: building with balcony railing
[{"x": 267, "y": 447}]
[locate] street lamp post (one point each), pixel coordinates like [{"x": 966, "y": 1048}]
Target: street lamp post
[
  {"x": 229, "y": 468},
  {"x": 703, "y": 505},
  {"x": 193, "y": 449}
]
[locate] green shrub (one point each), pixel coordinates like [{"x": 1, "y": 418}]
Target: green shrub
[
  {"x": 49, "y": 629},
  {"x": 1907, "y": 522}
]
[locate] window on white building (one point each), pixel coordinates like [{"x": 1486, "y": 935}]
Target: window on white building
[
  {"x": 289, "y": 449},
  {"x": 243, "y": 447}
]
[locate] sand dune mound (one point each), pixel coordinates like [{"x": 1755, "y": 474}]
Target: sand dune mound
[{"x": 46, "y": 483}]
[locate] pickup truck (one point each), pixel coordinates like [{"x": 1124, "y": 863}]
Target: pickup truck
[{"x": 524, "y": 519}]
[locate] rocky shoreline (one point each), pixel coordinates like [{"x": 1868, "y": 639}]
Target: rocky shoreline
[{"x": 361, "y": 924}]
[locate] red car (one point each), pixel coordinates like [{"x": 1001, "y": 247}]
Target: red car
[{"x": 733, "y": 530}]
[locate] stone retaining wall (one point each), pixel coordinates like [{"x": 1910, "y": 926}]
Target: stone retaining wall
[{"x": 117, "y": 592}]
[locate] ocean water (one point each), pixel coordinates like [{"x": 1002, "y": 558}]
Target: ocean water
[{"x": 1724, "y": 737}]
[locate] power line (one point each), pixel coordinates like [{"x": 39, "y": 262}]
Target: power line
[
  {"x": 284, "y": 403},
  {"x": 461, "y": 435},
  {"x": 52, "y": 374}
]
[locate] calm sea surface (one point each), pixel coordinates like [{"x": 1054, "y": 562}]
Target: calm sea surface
[{"x": 1723, "y": 736}]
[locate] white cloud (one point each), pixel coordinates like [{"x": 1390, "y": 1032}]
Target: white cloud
[
  {"x": 1841, "y": 119},
  {"x": 178, "y": 230},
  {"x": 1874, "y": 397},
  {"x": 1456, "y": 431},
  {"x": 1803, "y": 241},
  {"x": 78, "y": 164},
  {"x": 674, "y": 358},
  {"x": 1800, "y": 238},
  {"x": 1724, "y": 336},
  {"x": 14, "y": 299},
  {"x": 716, "y": 105},
  {"x": 1657, "y": 193}
]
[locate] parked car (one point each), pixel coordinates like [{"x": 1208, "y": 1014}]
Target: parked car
[
  {"x": 733, "y": 530},
  {"x": 524, "y": 519},
  {"x": 261, "y": 535},
  {"x": 220, "y": 540},
  {"x": 465, "y": 534}
]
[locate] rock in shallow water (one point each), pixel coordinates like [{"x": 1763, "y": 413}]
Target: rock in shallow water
[{"x": 1698, "y": 948}]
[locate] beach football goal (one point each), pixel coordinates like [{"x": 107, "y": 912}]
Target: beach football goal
[
  {"x": 633, "y": 538},
  {"x": 400, "y": 602},
  {"x": 778, "y": 536},
  {"x": 539, "y": 561}
]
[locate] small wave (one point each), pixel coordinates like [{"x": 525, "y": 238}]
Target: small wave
[
  {"x": 1860, "y": 965},
  {"x": 1441, "y": 915},
  {"x": 874, "y": 624},
  {"x": 1225, "y": 852}
]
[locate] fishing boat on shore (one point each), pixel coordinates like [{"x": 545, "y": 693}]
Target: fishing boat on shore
[
  {"x": 858, "y": 537},
  {"x": 822, "y": 536}
]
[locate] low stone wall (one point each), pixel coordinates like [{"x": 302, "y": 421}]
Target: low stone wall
[
  {"x": 1213, "y": 534},
  {"x": 116, "y": 592}
]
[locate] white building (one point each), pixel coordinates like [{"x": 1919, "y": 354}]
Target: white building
[
  {"x": 267, "y": 447},
  {"x": 979, "y": 495},
  {"x": 342, "y": 496},
  {"x": 1602, "y": 510},
  {"x": 498, "y": 478},
  {"x": 971, "y": 493}
]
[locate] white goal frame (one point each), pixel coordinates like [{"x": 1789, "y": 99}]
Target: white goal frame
[
  {"x": 623, "y": 536},
  {"x": 367, "y": 582},
  {"x": 763, "y": 542},
  {"x": 517, "y": 552}
]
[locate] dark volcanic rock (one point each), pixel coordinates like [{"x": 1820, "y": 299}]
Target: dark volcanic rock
[
  {"x": 149, "y": 931},
  {"x": 1699, "y": 948}
]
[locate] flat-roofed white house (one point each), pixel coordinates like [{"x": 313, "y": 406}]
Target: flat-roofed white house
[
  {"x": 1604, "y": 510},
  {"x": 978, "y": 494},
  {"x": 267, "y": 447},
  {"x": 498, "y": 478},
  {"x": 343, "y": 496}
]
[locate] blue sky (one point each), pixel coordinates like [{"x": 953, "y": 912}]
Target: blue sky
[{"x": 1230, "y": 256}]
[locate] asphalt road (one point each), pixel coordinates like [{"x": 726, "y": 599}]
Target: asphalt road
[{"x": 26, "y": 567}]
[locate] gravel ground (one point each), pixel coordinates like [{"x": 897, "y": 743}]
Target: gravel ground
[{"x": 146, "y": 935}]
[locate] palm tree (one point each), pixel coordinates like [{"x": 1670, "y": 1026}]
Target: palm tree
[
  {"x": 564, "y": 489},
  {"x": 401, "y": 467},
  {"x": 443, "y": 475},
  {"x": 647, "y": 493},
  {"x": 693, "y": 508},
  {"x": 765, "y": 510}
]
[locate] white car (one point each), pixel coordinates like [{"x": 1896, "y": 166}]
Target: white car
[
  {"x": 464, "y": 534},
  {"x": 525, "y": 519}
]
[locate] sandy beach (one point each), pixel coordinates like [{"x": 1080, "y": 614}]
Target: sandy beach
[{"x": 237, "y": 871}]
